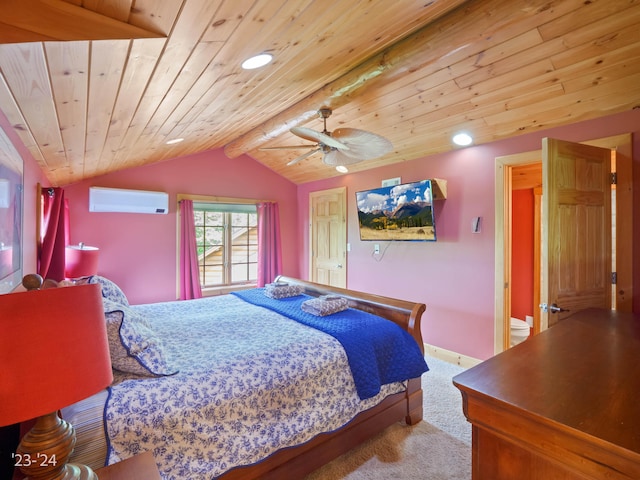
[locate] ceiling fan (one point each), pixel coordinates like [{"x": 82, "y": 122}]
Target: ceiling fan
[{"x": 343, "y": 146}]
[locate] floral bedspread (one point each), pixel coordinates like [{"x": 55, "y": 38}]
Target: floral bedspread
[{"x": 250, "y": 382}]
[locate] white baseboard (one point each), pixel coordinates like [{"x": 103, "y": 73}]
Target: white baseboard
[{"x": 451, "y": 357}]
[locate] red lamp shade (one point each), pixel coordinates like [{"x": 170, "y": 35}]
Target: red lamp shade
[
  {"x": 53, "y": 350},
  {"x": 81, "y": 261}
]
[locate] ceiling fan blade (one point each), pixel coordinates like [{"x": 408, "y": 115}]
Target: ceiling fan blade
[
  {"x": 362, "y": 145},
  {"x": 303, "y": 156},
  {"x": 336, "y": 157},
  {"x": 288, "y": 147},
  {"x": 318, "y": 137}
]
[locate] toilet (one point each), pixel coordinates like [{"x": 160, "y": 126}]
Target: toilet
[{"x": 519, "y": 331}]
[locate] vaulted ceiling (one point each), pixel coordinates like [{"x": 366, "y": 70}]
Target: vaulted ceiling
[{"x": 93, "y": 86}]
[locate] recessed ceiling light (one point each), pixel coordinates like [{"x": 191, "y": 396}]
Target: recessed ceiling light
[
  {"x": 174, "y": 141},
  {"x": 342, "y": 169},
  {"x": 257, "y": 61},
  {"x": 462, "y": 139}
]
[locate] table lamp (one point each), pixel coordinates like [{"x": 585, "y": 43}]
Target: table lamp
[
  {"x": 53, "y": 352},
  {"x": 80, "y": 261}
]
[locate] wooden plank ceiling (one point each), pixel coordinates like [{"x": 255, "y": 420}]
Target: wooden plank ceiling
[{"x": 93, "y": 86}]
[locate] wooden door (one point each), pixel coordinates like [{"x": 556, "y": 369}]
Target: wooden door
[
  {"x": 328, "y": 237},
  {"x": 576, "y": 229}
]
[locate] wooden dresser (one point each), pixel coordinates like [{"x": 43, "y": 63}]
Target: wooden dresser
[{"x": 563, "y": 405}]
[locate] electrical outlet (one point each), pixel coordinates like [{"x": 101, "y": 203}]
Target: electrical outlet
[{"x": 376, "y": 249}]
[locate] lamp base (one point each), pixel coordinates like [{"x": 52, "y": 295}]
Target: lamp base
[
  {"x": 72, "y": 471},
  {"x": 78, "y": 472},
  {"x": 45, "y": 449}
]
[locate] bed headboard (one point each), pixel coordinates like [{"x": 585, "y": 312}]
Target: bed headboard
[{"x": 406, "y": 314}]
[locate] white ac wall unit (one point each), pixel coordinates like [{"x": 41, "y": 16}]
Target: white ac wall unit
[{"x": 103, "y": 199}]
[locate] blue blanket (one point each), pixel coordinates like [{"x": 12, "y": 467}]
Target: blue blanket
[{"x": 378, "y": 350}]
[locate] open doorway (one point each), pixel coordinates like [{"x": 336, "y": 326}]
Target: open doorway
[
  {"x": 526, "y": 201},
  {"x": 508, "y": 170}
]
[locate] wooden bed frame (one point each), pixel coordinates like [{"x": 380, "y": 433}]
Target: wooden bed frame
[{"x": 296, "y": 462}]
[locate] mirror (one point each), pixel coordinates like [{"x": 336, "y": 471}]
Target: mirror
[{"x": 11, "y": 206}]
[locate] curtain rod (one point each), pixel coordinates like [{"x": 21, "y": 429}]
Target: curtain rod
[{"x": 216, "y": 199}]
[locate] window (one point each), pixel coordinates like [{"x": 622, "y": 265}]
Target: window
[{"x": 227, "y": 243}]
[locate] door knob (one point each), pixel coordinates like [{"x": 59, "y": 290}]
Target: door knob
[
  {"x": 553, "y": 308},
  {"x": 339, "y": 265}
]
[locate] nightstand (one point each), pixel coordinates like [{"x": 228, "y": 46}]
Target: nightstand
[{"x": 141, "y": 467}]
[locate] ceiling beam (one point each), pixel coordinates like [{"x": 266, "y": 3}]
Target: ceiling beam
[
  {"x": 24, "y": 21},
  {"x": 427, "y": 45}
]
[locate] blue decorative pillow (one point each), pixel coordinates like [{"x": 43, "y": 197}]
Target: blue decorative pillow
[
  {"x": 110, "y": 290},
  {"x": 134, "y": 346}
]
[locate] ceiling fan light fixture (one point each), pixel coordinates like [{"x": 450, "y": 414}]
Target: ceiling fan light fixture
[
  {"x": 257, "y": 61},
  {"x": 462, "y": 139},
  {"x": 342, "y": 169}
]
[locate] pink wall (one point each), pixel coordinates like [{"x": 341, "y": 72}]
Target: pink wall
[
  {"x": 138, "y": 251},
  {"x": 454, "y": 276}
]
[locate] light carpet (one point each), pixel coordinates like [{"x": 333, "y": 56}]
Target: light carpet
[{"x": 438, "y": 448}]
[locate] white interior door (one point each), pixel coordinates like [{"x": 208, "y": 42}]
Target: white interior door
[{"x": 328, "y": 237}]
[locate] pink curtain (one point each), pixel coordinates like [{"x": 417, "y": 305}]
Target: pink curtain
[
  {"x": 54, "y": 234},
  {"x": 189, "y": 269},
  {"x": 269, "y": 250}
]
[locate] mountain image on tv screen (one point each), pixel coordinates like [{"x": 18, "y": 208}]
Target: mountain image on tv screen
[{"x": 398, "y": 212}]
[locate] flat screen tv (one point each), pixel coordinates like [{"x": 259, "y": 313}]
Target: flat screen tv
[{"x": 398, "y": 212}]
